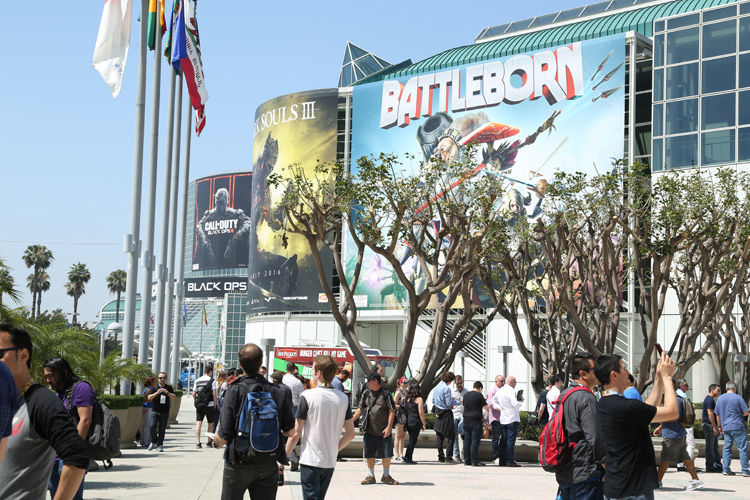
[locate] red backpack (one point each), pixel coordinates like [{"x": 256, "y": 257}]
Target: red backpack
[{"x": 554, "y": 447}]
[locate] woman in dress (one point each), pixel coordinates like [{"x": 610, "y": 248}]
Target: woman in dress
[
  {"x": 400, "y": 399},
  {"x": 415, "y": 422}
]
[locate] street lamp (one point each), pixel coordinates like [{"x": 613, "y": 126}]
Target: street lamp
[{"x": 112, "y": 328}]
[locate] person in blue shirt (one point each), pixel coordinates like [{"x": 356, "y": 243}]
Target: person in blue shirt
[
  {"x": 632, "y": 391},
  {"x": 711, "y": 429},
  {"x": 8, "y": 406},
  {"x": 339, "y": 379},
  {"x": 673, "y": 448},
  {"x": 445, "y": 428},
  {"x": 730, "y": 412}
]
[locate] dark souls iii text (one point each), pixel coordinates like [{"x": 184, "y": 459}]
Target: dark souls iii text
[{"x": 297, "y": 111}]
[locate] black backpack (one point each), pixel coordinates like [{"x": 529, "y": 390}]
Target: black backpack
[
  {"x": 205, "y": 396},
  {"x": 257, "y": 427},
  {"x": 103, "y": 440}
]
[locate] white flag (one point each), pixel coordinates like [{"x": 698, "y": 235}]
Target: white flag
[{"x": 113, "y": 42}]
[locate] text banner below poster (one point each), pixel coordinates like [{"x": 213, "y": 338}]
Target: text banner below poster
[
  {"x": 527, "y": 115},
  {"x": 295, "y": 129}
]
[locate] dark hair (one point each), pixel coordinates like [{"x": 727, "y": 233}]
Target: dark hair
[
  {"x": 209, "y": 370},
  {"x": 478, "y": 385},
  {"x": 290, "y": 367},
  {"x": 327, "y": 367},
  {"x": 630, "y": 378},
  {"x": 231, "y": 372},
  {"x": 712, "y": 387},
  {"x": 63, "y": 369},
  {"x": 19, "y": 338},
  {"x": 149, "y": 381},
  {"x": 447, "y": 377},
  {"x": 240, "y": 372},
  {"x": 250, "y": 357},
  {"x": 554, "y": 379},
  {"x": 605, "y": 365},
  {"x": 414, "y": 391},
  {"x": 580, "y": 362},
  {"x": 345, "y": 372}
]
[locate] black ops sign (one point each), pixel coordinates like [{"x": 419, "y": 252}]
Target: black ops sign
[{"x": 222, "y": 230}]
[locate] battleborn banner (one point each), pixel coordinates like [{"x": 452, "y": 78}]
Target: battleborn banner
[
  {"x": 292, "y": 129},
  {"x": 529, "y": 115},
  {"x": 222, "y": 215}
]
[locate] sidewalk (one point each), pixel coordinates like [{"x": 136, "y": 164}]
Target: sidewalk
[{"x": 184, "y": 472}]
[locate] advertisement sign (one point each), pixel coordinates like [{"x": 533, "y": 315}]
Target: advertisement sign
[
  {"x": 297, "y": 129},
  {"x": 213, "y": 287},
  {"x": 528, "y": 115},
  {"x": 222, "y": 215}
]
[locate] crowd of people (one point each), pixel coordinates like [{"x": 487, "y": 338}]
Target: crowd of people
[{"x": 42, "y": 445}]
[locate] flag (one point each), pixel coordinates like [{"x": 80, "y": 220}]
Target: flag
[
  {"x": 176, "y": 7},
  {"x": 152, "y": 318},
  {"x": 205, "y": 318},
  {"x": 186, "y": 56},
  {"x": 152, "y": 22},
  {"x": 184, "y": 314},
  {"x": 112, "y": 43},
  {"x": 200, "y": 120}
]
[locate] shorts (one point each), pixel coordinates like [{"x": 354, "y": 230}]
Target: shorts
[
  {"x": 674, "y": 450},
  {"x": 377, "y": 446},
  {"x": 205, "y": 412}
]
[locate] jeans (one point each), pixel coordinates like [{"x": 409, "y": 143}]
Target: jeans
[
  {"x": 459, "y": 424},
  {"x": 589, "y": 490},
  {"x": 413, "y": 430},
  {"x": 448, "y": 445},
  {"x": 510, "y": 432},
  {"x": 739, "y": 437},
  {"x": 54, "y": 480},
  {"x": 496, "y": 435},
  {"x": 712, "y": 446},
  {"x": 158, "y": 420},
  {"x": 260, "y": 480},
  {"x": 315, "y": 481},
  {"x": 472, "y": 436}
]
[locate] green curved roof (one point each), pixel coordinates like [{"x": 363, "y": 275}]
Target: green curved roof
[{"x": 640, "y": 20}]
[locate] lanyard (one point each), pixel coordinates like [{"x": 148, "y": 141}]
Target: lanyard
[
  {"x": 25, "y": 388},
  {"x": 610, "y": 393}
]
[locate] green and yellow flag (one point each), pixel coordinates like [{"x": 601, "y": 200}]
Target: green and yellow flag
[{"x": 152, "y": 23}]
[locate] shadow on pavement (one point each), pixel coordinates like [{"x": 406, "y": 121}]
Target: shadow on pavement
[{"x": 99, "y": 485}]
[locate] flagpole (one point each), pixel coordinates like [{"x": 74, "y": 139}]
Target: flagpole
[
  {"x": 180, "y": 293},
  {"x": 161, "y": 269},
  {"x": 148, "y": 243},
  {"x": 169, "y": 298},
  {"x": 132, "y": 243}
]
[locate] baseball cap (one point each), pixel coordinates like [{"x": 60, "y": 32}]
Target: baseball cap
[
  {"x": 375, "y": 376},
  {"x": 277, "y": 375}
]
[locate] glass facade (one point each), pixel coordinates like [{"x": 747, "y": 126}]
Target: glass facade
[{"x": 701, "y": 76}]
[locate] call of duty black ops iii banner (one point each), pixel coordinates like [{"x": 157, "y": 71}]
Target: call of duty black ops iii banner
[
  {"x": 292, "y": 129},
  {"x": 222, "y": 215},
  {"x": 528, "y": 114}
]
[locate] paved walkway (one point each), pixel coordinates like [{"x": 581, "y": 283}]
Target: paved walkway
[{"x": 185, "y": 473}]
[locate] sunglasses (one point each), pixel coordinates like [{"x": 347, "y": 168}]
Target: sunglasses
[
  {"x": 162, "y": 378},
  {"x": 3, "y": 351}
]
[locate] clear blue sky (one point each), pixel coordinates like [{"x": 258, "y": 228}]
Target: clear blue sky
[{"x": 66, "y": 147}]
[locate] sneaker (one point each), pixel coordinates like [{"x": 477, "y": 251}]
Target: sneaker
[
  {"x": 387, "y": 480},
  {"x": 398, "y": 459},
  {"x": 198, "y": 445},
  {"x": 368, "y": 480},
  {"x": 151, "y": 447},
  {"x": 695, "y": 484},
  {"x": 660, "y": 485},
  {"x": 160, "y": 448},
  {"x": 746, "y": 474},
  {"x": 450, "y": 460},
  {"x": 410, "y": 462},
  {"x": 478, "y": 464},
  {"x": 496, "y": 461},
  {"x": 728, "y": 473},
  {"x": 681, "y": 468},
  {"x": 441, "y": 460},
  {"x": 210, "y": 443}
]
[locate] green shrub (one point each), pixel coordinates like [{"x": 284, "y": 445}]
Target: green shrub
[
  {"x": 115, "y": 402},
  {"x": 526, "y": 431},
  {"x": 429, "y": 419},
  {"x": 178, "y": 393}
]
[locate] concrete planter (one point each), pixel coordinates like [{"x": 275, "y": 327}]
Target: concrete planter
[
  {"x": 130, "y": 423},
  {"x": 174, "y": 409}
]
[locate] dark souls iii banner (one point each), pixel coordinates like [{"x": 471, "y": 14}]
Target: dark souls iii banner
[
  {"x": 222, "y": 214},
  {"x": 292, "y": 129}
]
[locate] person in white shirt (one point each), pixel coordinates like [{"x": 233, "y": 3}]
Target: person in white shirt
[
  {"x": 510, "y": 419},
  {"x": 458, "y": 413},
  {"x": 290, "y": 380},
  {"x": 553, "y": 394},
  {"x": 321, "y": 414},
  {"x": 204, "y": 406}
]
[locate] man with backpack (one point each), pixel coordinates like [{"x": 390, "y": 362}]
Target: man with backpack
[
  {"x": 255, "y": 415},
  {"x": 204, "y": 394},
  {"x": 673, "y": 447},
  {"x": 580, "y": 475},
  {"x": 78, "y": 398},
  {"x": 41, "y": 427}
]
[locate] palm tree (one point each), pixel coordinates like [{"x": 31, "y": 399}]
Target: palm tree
[
  {"x": 37, "y": 284},
  {"x": 57, "y": 339},
  {"x": 7, "y": 284},
  {"x": 78, "y": 276},
  {"x": 39, "y": 257},
  {"x": 116, "y": 281}
]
